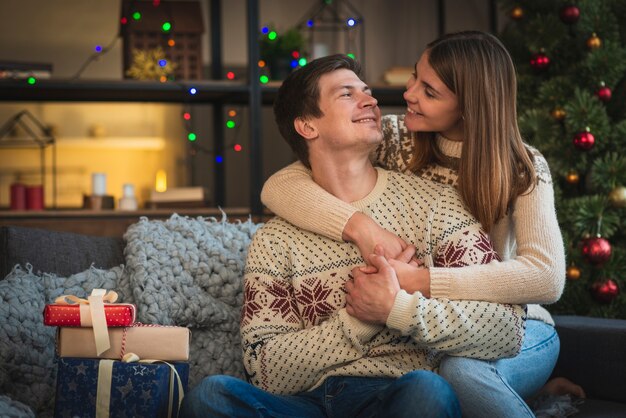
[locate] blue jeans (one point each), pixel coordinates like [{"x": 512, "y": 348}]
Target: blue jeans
[
  {"x": 416, "y": 394},
  {"x": 498, "y": 388}
]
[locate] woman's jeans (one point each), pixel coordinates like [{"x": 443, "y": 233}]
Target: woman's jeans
[
  {"x": 498, "y": 388},
  {"x": 416, "y": 394}
]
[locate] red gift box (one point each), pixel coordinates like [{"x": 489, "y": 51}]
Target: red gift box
[{"x": 79, "y": 315}]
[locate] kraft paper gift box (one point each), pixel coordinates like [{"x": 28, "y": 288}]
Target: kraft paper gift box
[
  {"x": 147, "y": 341},
  {"x": 106, "y": 388},
  {"x": 79, "y": 315}
]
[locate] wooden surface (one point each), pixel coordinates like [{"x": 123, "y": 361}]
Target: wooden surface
[{"x": 110, "y": 223}]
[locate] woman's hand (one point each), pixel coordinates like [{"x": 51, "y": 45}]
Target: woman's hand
[
  {"x": 366, "y": 234},
  {"x": 409, "y": 271}
]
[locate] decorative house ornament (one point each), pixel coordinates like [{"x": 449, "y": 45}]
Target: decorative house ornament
[
  {"x": 334, "y": 27},
  {"x": 175, "y": 27}
]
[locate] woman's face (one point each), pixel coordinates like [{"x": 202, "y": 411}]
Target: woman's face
[{"x": 431, "y": 106}]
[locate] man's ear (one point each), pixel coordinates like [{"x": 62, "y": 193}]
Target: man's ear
[{"x": 306, "y": 129}]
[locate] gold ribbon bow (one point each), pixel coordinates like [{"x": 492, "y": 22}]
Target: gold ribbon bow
[
  {"x": 92, "y": 314},
  {"x": 105, "y": 377}
]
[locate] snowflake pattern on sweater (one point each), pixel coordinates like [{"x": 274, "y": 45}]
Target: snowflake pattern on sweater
[{"x": 296, "y": 331}]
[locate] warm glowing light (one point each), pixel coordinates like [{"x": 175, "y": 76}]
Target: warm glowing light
[
  {"x": 232, "y": 113},
  {"x": 230, "y": 75},
  {"x": 171, "y": 42},
  {"x": 187, "y": 116},
  {"x": 261, "y": 63},
  {"x": 237, "y": 147},
  {"x": 161, "y": 181},
  {"x": 162, "y": 79}
]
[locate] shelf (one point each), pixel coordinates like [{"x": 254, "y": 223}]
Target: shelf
[
  {"x": 137, "y": 143},
  {"x": 208, "y": 91}
]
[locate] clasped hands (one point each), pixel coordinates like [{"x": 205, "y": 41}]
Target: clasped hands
[{"x": 372, "y": 290}]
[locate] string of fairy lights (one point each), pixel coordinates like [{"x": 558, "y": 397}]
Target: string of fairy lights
[{"x": 132, "y": 14}]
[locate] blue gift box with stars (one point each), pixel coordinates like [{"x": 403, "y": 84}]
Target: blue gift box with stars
[{"x": 125, "y": 389}]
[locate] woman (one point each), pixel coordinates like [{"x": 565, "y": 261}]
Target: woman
[{"x": 461, "y": 105}]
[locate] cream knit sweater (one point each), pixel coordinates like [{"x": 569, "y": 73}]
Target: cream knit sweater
[
  {"x": 294, "y": 326},
  {"x": 528, "y": 240}
]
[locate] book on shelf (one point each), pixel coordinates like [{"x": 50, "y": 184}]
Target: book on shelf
[
  {"x": 21, "y": 70},
  {"x": 179, "y": 197}
]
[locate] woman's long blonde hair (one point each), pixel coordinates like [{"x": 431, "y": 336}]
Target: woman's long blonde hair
[{"x": 495, "y": 165}]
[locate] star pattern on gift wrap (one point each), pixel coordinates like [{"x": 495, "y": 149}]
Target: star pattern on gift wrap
[
  {"x": 146, "y": 395},
  {"x": 140, "y": 370},
  {"x": 72, "y": 386},
  {"x": 126, "y": 389},
  {"x": 81, "y": 369}
]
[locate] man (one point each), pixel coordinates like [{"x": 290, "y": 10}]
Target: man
[{"x": 304, "y": 351}]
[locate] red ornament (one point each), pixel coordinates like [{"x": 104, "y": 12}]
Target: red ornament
[
  {"x": 604, "y": 93},
  {"x": 570, "y": 14},
  {"x": 605, "y": 290},
  {"x": 584, "y": 141},
  {"x": 596, "y": 250},
  {"x": 539, "y": 61}
]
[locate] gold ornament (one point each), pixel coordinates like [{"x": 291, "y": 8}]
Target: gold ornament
[
  {"x": 146, "y": 65},
  {"x": 517, "y": 13},
  {"x": 572, "y": 177},
  {"x": 617, "y": 197},
  {"x": 573, "y": 273},
  {"x": 594, "y": 42},
  {"x": 558, "y": 113}
]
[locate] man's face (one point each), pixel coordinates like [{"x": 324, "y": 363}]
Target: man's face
[{"x": 351, "y": 114}]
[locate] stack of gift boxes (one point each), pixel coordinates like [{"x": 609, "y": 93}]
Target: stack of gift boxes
[{"x": 109, "y": 365}]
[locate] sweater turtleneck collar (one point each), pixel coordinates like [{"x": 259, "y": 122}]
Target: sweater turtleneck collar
[{"x": 448, "y": 147}]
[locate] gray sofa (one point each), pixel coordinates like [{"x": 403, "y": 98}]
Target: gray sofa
[{"x": 593, "y": 350}]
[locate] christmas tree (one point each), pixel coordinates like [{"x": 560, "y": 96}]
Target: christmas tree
[{"x": 571, "y": 64}]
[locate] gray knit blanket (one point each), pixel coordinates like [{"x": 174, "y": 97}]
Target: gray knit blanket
[{"x": 184, "y": 272}]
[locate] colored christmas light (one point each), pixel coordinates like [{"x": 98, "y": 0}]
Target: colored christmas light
[
  {"x": 171, "y": 42},
  {"x": 309, "y": 23},
  {"x": 98, "y": 48},
  {"x": 232, "y": 113},
  {"x": 191, "y": 136},
  {"x": 162, "y": 63},
  {"x": 261, "y": 63},
  {"x": 230, "y": 124},
  {"x": 351, "y": 55},
  {"x": 237, "y": 147},
  {"x": 162, "y": 79},
  {"x": 156, "y": 3},
  {"x": 265, "y": 30},
  {"x": 187, "y": 116},
  {"x": 136, "y": 15},
  {"x": 31, "y": 80},
  {"x": 123, "y": 21},
  {"x": 230, "y": 75},
  {"x": 295, "y": 54},
  {"x": 350, "y": 22},
  {"x": 167, "y": 26},
  {"x": 264, "y": 79},
  {"x": 219, "y": 159},
  {"x": 302, "y": 62},
  {"x": 293, "y": 63},
  {"x": 272, "y": 35},
  {"x": 193, "y": 90}
]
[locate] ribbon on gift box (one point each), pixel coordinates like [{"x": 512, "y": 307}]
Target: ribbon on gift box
[
  {"x": 93, "y": 308},
  {"x": 105, "y": 377}
]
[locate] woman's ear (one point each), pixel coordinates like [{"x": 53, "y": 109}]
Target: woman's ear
[{"x": 306, "y": 129}]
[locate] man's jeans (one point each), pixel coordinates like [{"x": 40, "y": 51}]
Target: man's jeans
[
  {"x": 416, "y": 394},
  {"x": 498, "y": 388}
]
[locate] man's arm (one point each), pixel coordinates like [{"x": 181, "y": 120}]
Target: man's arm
[{"x": 280, "y": 355}]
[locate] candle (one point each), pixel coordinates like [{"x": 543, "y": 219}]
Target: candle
[
  {"x": 34, "y": 197},
  {"x": 99, "y": 184},
  {"x": 18, "y": 196}
]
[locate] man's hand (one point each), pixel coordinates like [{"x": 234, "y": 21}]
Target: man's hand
[
  {"x": 366, "y": 234},
  {"x": 370, "y": 297}
]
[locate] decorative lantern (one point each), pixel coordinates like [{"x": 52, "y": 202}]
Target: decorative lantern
[{"x": 334, "y": 27}]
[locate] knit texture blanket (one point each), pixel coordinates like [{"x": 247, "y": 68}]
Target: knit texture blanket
[{"x": 182, "y": 271}]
